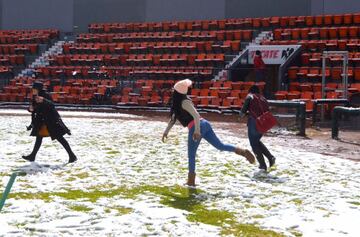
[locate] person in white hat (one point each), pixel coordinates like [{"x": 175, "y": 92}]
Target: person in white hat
[{"x": 183, "y": 110}]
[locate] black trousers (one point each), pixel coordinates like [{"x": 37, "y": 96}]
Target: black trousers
[{"x": 62, "y": 141}]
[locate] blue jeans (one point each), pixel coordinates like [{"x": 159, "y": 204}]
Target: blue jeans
[
  {"x": 206, "y": 132},
  {"x": 257, "y": 146}
]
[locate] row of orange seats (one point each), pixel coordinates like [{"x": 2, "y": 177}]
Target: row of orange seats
[
  {"x": 317, "y": 33},
  {"x": 25, "y": 39},
  {"x": 285, "y": 21},
  {"x": 168, "y": 26},
  {"x": 138, "y": 59},
  {"x": 245, "y": 35},
  {"x": 52, "y": 32},
  {"x": 74, "y": 94},
  {"x": 316, "y": 87},
  {"x": 352, "y": 45},
  {"x": 204, "y": 85},
  {"x": 309, "y": 21},
  {"x": 313, "y": 73},
  {"x": 84, "y": 99},
  {"x": 135, "y": 100},
  {"x": 12, "y": 60},
  {"x": 28, "y": 81},
  {"x": 308, "y": 97},
  {"x": 89, "y": 82},
  {"x": 111, "y": 71},
  {"x": 152, "y": 84},
  {"x": 205, "y": 74},
  {"x": 315, "y": 59},
  {"x": 204, "y": 102},
  {"x": 19, "y": 49},
  {"x": 121, "y": 48},
  {"x": 4, "y": 70}
]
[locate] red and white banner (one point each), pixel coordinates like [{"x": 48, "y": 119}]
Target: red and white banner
[{"x": 272, "y": 54}]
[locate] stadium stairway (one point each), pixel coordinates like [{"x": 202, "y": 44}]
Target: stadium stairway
[{"x": 43, "y": 59}]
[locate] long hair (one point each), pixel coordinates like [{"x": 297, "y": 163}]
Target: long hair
[
  {"x": 254, "y": 89},
  {"x": 176, "y": 101}
]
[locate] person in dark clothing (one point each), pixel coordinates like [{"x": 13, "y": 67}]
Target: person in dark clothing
[
  {"x": 45, "y": 122},
  {"x": 259, "y": 67},
  {"x": 183, "y": 110},
  {"x": 251, "y": 108}
]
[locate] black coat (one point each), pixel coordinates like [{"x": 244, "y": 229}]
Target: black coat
[{"x": 45, "y": 113}]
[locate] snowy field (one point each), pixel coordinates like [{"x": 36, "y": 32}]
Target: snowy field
[{"x": 128, "y": 183}]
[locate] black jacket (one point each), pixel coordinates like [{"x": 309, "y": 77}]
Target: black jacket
[{"x": 45, "y": 113}]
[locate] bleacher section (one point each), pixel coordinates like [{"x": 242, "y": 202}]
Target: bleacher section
[
  {"x": 317, "y": 34},
  {"x": 126, "y": 54},
  {"x": 15, "y": 47},
  {"x": 137, "y": 63}
]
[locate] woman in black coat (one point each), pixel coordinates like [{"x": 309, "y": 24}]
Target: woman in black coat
[{"x": 46, "y": 122}]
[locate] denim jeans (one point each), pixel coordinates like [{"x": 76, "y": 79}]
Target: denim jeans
[
  {"x": 209, "y": 135},
  {"x": 257, "y": 146}
]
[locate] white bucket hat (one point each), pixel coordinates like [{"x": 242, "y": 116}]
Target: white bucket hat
[{"x": 183, "y": 86}]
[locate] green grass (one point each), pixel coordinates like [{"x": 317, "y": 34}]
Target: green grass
[
  {"x": 123, "y": 210},
  {"x": 355, "y": 203},
  {"x": 176, "y": 197},
  {"x": 187, "y": 199},
  {"x": 82, "y": 175},
  {"x": 112, "y": 152},
  {"x": 297, "y": 201},
  {"x": 80, "y": 208}
]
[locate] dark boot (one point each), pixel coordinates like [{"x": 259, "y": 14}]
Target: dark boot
[
  {"x": 65, "y": 144},
  {"x": 260, "y": 159},
  {"x": 72, "y": 158},
  {"x": 191, "y": 179},
  {"x": 272, "y": 161},
  {"x": 268, "y": 155},
  {"x": 37, "y": 145},
  {"x": 30, "y": 157}
]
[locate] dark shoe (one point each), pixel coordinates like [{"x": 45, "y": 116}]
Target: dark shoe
[
  {"x": 30, "y": 158},
  {"x": 72, "y": 159},
  {"x": 191, "y": 179},
  {"x": 263, "y": 167},
  {"x": 272, "y": 161},
  {"x": 261, "y": 161}
]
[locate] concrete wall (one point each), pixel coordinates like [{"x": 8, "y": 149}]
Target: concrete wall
[
  {"x": 334, "y": 6},
  {"x": 91, "y": 11},
  {"x": 30, "y": 14},
  {"x": 261, "y": 8},
  {"x": 65, "y": 14},
  {"x": 159, "y": 10}
]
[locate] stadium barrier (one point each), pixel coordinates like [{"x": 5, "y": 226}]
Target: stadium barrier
[
  {"x": 326, "y": 102},
  {"x": 300, "y": 107},
  {"x": 337, "y": 114}
]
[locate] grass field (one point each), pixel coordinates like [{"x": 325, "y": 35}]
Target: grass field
[{"x": 127, "y": 182}]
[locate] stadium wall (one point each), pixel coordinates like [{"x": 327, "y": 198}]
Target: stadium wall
[
  {"x": 37, "y": 14},
  {"x": 334, "y": 6},
  {"x": 262, "y": 8},
  {"x": 68, "y": 15}
]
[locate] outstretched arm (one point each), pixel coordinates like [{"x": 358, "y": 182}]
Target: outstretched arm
[{"x": 168, "y": 128}]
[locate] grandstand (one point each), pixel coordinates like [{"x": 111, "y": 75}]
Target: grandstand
[{"x": 137, "y": 63}]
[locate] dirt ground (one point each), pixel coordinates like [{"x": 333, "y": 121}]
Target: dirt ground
[{"x": 317, "y": 139}]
